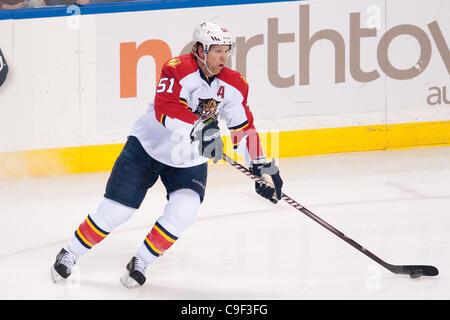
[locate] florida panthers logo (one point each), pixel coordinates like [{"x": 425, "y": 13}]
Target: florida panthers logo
[{"x": 207, "y": 108}]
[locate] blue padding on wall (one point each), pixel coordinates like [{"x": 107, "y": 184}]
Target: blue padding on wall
[
  {"x": 45, "y": 12},
  {"x": 126, "y": 6},
  {"x": 5, "y": 14}
]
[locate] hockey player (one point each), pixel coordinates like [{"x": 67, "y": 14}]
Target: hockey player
[{"x": 174, "y": 140}]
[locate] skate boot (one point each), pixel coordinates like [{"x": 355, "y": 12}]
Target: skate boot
[
  {"x": 135, "y": 274},
  {"x": 63, "y": 265}
]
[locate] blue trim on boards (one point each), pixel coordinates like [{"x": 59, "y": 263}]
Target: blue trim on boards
[{"x": 126, "y": 6}]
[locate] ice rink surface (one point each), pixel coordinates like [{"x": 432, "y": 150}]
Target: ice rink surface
[{"x": 395, "y": 203}]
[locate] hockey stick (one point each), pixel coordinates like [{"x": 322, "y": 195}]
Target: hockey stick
[{"x": 414, "y": 271}]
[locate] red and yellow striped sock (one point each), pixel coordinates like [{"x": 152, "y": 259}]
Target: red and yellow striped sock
[
  {"x": 89, "y": 234},
  {"x": 159, "y": 240}
]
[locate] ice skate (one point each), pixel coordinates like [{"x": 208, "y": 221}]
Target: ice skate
[
  {"x": 62, "y": 268},
  {"x": 135, "y": 274}
]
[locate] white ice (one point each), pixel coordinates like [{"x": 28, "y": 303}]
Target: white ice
[{"x": 395, "y": 203}]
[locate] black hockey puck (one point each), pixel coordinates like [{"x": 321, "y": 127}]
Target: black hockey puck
[{"x": 416, "y": 273}]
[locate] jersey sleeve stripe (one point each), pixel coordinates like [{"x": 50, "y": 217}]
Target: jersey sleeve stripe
[
  {"x": 162, "y": 119},
  {"x": 183, "y": 101},
  {"x": 239, "y": 127}
]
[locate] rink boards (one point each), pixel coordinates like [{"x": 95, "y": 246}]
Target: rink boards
[{"x": 325, "y": 76}]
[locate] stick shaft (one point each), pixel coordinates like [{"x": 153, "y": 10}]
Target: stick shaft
[{"x": 314, "y": 217}]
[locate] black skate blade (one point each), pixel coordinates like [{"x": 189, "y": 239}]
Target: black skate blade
[
  {"x": 138, "y": 277},
  {"x": 56, "y": 277},
  {"x": 62, "y": 271}
]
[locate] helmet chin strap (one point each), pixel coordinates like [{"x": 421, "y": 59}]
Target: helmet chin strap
[{"x": 203, "y": 62}]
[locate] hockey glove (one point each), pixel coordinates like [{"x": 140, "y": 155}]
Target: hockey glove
[
  {"x": 271, "y": 188},
  {"x": 208, "y": 134}
]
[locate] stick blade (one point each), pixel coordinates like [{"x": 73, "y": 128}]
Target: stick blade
[{"x": 418, "y": 270}]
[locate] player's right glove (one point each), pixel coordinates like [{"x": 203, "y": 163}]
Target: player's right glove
[
  {"x": 271, "y": 188},
  {"x": 208, "y": 134}
]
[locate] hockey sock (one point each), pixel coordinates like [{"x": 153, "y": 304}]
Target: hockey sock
[
  {"x": 179, "y": 214},
  {"x": 159, "y": 240},
  {"x": 98, "y": 225},
  {"x": 89, "y": 233}
]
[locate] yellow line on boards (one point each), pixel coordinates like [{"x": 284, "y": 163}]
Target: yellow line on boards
[{"x": 277, "y": 144}]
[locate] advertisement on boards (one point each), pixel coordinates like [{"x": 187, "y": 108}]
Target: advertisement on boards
[{"x": 330, "y": 63}]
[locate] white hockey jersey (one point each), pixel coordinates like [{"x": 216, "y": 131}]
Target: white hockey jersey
[{"x": 181, "y": 94}]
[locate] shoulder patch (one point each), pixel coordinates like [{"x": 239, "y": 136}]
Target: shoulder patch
[
  {"x": 179, "y": 67},
  {"x": 174, "y": 62}
]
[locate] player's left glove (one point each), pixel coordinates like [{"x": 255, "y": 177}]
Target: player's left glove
[
  {"x": 210, "y": 141},
  {"x": 271, "y": 188}
]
